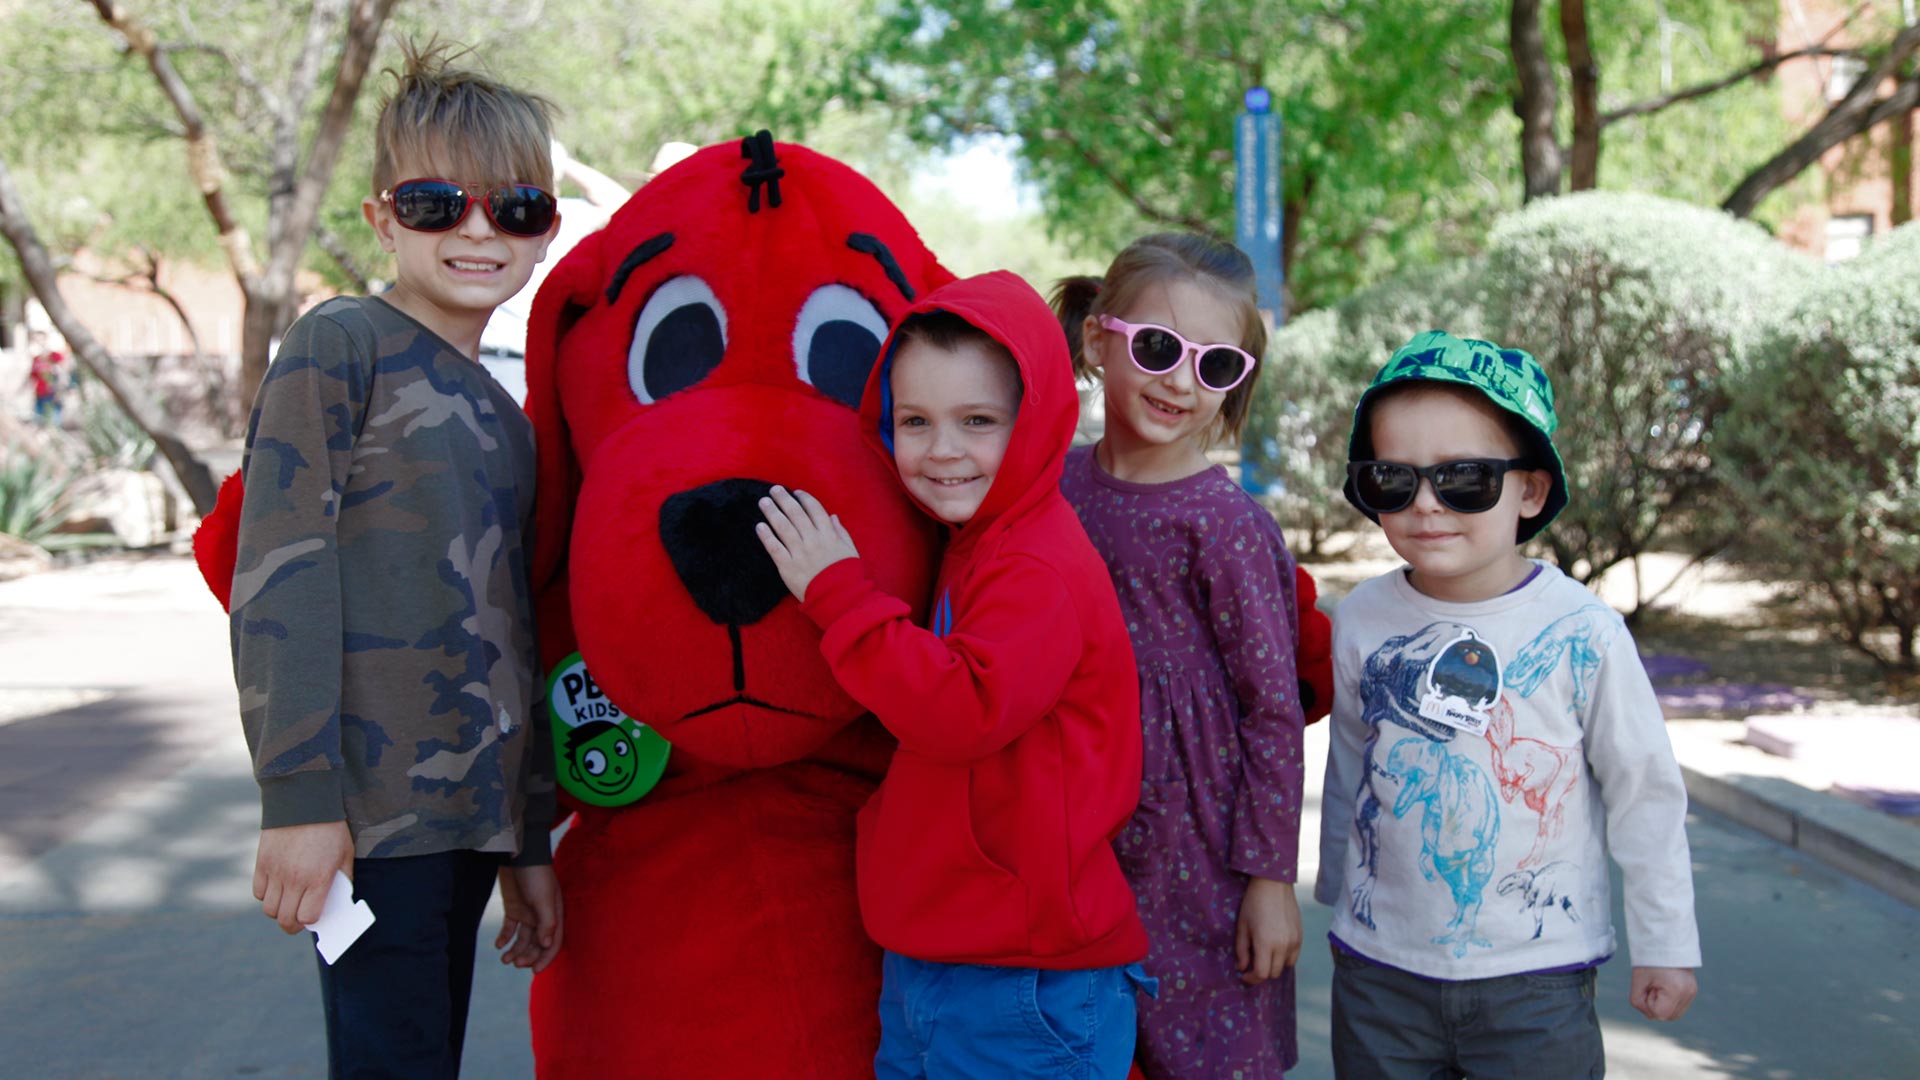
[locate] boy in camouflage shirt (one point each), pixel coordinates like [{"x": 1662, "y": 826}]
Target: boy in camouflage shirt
[{"x": 381, "y": 619}]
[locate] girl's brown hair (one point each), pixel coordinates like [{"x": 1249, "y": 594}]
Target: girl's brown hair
[
  {"x": 1162, "y": 257},
  {"x": 459, "y": 120}
]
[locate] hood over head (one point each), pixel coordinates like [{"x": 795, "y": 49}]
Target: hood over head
[{"x": 1012, "y": 313}]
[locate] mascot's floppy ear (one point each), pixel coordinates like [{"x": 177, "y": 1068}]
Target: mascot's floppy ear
[{"x": 568, "y": 292}]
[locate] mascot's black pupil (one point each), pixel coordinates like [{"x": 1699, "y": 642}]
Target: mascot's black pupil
[
  {"x": 684, "y": 348},
  {"x": 841, "y": 356}
]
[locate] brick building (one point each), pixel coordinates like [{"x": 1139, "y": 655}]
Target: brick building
[{"x": 1867, "y": 184}]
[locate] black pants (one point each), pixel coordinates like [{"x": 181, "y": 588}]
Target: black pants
[{"x": 396, "y": 1002}]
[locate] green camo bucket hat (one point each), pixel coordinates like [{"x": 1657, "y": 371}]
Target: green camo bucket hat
[{"x": 1509, "y": 378}]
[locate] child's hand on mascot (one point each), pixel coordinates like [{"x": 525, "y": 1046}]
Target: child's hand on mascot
[{"x": 802, "y": 537}]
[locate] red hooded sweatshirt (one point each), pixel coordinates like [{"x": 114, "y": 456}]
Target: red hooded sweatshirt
[{"x": 1018, "y": 714}]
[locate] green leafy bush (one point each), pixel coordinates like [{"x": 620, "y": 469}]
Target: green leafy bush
[
  {"x": 31, "y": 495},
  {"x": 1820, "y": 449},
  {"x": 1642, "y": 310}
]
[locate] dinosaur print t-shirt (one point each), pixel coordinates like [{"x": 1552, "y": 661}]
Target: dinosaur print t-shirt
[{"x": 1487, "y": 758}]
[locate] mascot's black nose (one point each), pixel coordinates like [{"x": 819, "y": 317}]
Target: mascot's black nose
[{"x": 708, "y": 533}]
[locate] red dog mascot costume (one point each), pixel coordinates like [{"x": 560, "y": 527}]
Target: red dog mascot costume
[{"x": 713, "y": 340}]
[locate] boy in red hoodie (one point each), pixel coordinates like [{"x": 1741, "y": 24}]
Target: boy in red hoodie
[{"x": 985, "y": 861}]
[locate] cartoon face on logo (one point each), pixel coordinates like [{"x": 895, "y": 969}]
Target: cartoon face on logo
[
  {"x": 606, "y": 757},
  {"x": 1468, "y": 670},
  {"x": 600, "y": 758},
  {"x": 1463, "y": 682}
]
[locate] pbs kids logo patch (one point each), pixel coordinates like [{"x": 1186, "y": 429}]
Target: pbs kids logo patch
[{"x": 602, "y": 756}]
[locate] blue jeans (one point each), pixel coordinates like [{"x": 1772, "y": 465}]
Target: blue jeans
[
  {"x": 955, "y": 1021},
  {"x": 396, "y": 1001},
  {"x": 1390, "y": 1025}
]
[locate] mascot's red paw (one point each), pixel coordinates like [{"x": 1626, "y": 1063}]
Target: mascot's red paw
[
  {"x": 711, "y": 341},
  {"x": 1315, "y": 660},
  {"x": 216, "y": 543}
]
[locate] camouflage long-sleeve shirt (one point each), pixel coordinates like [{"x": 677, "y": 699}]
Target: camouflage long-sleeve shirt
[{"x": 382, "y": 623}]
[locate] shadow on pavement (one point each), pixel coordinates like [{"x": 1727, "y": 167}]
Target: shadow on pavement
[{"x": 57, "y": 770}]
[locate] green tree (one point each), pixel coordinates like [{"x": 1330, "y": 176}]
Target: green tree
[
  {"x": 1124, "y": 115},
  {"x": 1401, "y": 138},
  {"x": 1643, "y": 311}
]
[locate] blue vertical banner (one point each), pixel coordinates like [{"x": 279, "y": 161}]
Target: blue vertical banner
[{"x": 1256, "y": 196}]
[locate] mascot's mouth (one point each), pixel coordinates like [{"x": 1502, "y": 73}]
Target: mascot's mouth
[{"x": 743, "y": 699}]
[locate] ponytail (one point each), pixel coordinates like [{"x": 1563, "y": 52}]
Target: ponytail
[{"x": 1073, "y": 300}]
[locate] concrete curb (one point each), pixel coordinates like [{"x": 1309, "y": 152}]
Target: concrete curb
[{"x": 1852, "y": 839}]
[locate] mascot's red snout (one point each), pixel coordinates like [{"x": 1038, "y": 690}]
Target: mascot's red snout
[{"x": 713, "y": 341}]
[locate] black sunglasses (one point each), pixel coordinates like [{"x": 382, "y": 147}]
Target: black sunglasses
[
  {"x": 1466, "y": 486},
  {"x": 430, "y": 205}
]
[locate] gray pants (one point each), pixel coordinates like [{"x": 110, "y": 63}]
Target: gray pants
[{"x": 1389, "y": 1025}]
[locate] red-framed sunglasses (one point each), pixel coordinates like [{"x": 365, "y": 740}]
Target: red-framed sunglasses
[
  {"x": 429, "y": 204},
  {"x": 1157, "y": 350}
]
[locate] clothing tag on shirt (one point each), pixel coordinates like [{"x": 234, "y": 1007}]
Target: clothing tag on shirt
[
  {"x": 342, "y": 920},
  {"x": 1462, "y": 684}
]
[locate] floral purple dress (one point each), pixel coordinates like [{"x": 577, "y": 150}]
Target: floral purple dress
[{"x": 1207, "y": 588}]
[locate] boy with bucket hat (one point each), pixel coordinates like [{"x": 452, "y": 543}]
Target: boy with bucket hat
[{"x": 1495, "y": 739}]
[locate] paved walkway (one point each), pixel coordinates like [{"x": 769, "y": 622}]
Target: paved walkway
[{"x": 130, "y": 945}]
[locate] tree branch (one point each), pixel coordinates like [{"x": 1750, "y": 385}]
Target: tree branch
[
  {"x": 147, "y": 277},
  {"x": 1119, "y": 184},
  {"x": 285, "y": 152},
  {"x": 41, "y": 276},
  {"x": 1859, "y": 111},
  {"x": 1768, "y": 61},
  {"x": 240, "y": 69},
  {"x": 203, "y": 150},
  {"x": 1650, "y": 106},
  {"x": 363, "y": 39},
  {"x": 342, "y": 258}
]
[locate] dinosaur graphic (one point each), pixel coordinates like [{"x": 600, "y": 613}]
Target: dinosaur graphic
[
  {"x": 1394, "y": 681},
  {"x": 1582, "y": 637},
  {"x": 1540, "y": 773},
  {"x": 1542, "y": 890},
  {"x": 1459, "y": 828}
]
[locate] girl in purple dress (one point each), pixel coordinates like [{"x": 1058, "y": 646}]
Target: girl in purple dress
[{"x": 1207, "y": 587}]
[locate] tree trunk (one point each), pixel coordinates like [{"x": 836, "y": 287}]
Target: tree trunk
[
  {"x": 1585, "y": 93},
  {"x": 192, "y": 472},
  {"x": 1902, "y": 155},
  {"x": 1859, "y": 111},
  {"x": 1536, "y": 102},
  {"x": 258, "y": 329}
]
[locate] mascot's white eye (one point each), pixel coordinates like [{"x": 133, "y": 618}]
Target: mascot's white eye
[
  {"x": 679, "y": 338},
  {"x": 836, "y": 342},
  {"x": 595, "y": 761}
]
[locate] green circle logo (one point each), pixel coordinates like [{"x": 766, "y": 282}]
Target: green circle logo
[{"x": 602, "y": 756}]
